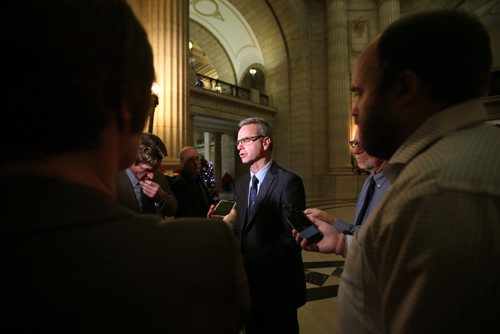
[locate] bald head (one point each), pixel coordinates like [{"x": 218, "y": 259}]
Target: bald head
[{"x": 190, "y": 160}]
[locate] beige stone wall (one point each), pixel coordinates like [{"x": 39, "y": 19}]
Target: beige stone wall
[
  {"x": 294, "y": 138},
  {"x": 318, "y": 82}
]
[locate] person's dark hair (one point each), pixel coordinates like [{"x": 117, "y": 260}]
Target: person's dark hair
[
  {"x": 151, "y": 150},
  {"x": 448, "y": 49},
  {"x": 68, "y": 68}
]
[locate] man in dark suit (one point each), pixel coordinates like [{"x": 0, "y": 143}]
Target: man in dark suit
[
  {"x": 272, "y": 257},
  {"x": 189, "y": 188},
  {"x": 141, "y": 187}
]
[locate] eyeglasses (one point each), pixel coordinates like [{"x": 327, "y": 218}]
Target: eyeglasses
[
  {"x": 355, "y": 143},
  {"x": 247, "y": 140}
]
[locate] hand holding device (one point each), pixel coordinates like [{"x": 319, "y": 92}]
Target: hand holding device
[
  {"x": 299, "y": 221},
  {"x": 223, "y": 208}
]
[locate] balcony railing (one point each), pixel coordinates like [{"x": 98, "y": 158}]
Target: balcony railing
[{"x": 226, "y": 88}]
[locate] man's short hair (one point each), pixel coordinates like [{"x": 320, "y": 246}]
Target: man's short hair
[
  {"x": 69, "y": 67},
  {"x": 263, "y": 127},
  {"x": 151, "y": 150},
  {"x": 449, "y": 50}
]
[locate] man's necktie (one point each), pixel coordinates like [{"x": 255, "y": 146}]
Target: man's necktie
[
  {"x": 366, "y": 202},
  {"x": 253, "y": 193}
]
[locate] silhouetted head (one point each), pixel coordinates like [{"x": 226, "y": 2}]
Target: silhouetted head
[{"x": 69, "y": 70}]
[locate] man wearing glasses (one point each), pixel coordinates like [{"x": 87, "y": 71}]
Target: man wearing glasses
[
  {"x": 272, "y": 257},
  {"x": 372, "y": 191}
]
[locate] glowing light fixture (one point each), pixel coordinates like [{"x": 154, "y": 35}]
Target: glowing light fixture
[{"x": 155, "y": 91}]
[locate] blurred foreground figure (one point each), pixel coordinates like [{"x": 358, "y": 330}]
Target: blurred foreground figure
[
  {"x": 426, "y": 260},
  {"x": 73, "y": 260}
]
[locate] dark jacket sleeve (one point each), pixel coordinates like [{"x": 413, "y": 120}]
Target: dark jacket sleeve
[{"x": 168, "y": 204}]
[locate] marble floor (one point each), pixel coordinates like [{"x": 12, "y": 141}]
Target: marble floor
[{"x": 322, "y": 272}]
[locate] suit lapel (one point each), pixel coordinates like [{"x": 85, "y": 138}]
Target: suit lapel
[
  {"x": 242, "y": 207},
  {"x": 126, "y": 191}
]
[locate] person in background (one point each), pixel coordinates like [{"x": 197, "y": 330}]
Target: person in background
[
  {"x": 141, "y": 187},
  {"x": 73, "y": 259},
  {"x": 272, "y": 258},
  {"x": 426, "y": 261},
  {"x": 188, "y": 187},
  {"x": 227, "y": 181},
  {"x": 372, "y": 191}
]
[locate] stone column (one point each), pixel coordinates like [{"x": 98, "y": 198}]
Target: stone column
[
  {"x": 166, "y": 22},
  {"x": 388, "y": 12},
  {"x": 339, "y": 114},
  {"x": 218, "y": 159},
  {"x": 206, "y": 145}
]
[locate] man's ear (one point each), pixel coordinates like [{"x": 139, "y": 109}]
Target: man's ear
[
  {"x": 408, "y": 85},
  {"x": 266, "y": 142}
]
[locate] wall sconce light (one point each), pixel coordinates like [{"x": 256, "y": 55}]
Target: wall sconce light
[
  {"x": 155, "y": 88},
  {"x": 155, "y": 92},
  {"x": 252, "y": 71},
  {"x": 191, "y": 57}
]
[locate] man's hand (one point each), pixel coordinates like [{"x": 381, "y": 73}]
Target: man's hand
[
  {"x": 152, "y": 190},
  {"x": 229, "y": 219},
  {"x": 326, "y": 245},
  {"x": 211, "y": 211},
  {"x": 320, "y": 214}
]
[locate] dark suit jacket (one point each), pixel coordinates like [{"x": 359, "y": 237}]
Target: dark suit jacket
[
  {"x": 126, "y": 196},
  {"x": 192, "y": 197},
  {"x": 272, "y": 257},
  {"x": 77, "y": 262}
]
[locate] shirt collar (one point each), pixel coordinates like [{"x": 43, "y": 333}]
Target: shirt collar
[
  {"x": 434, "y": 128},
  {"x": 131, "y": 176},
  {"x": 261, "y": 174},
  {"x": 379, "y": 178}
]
